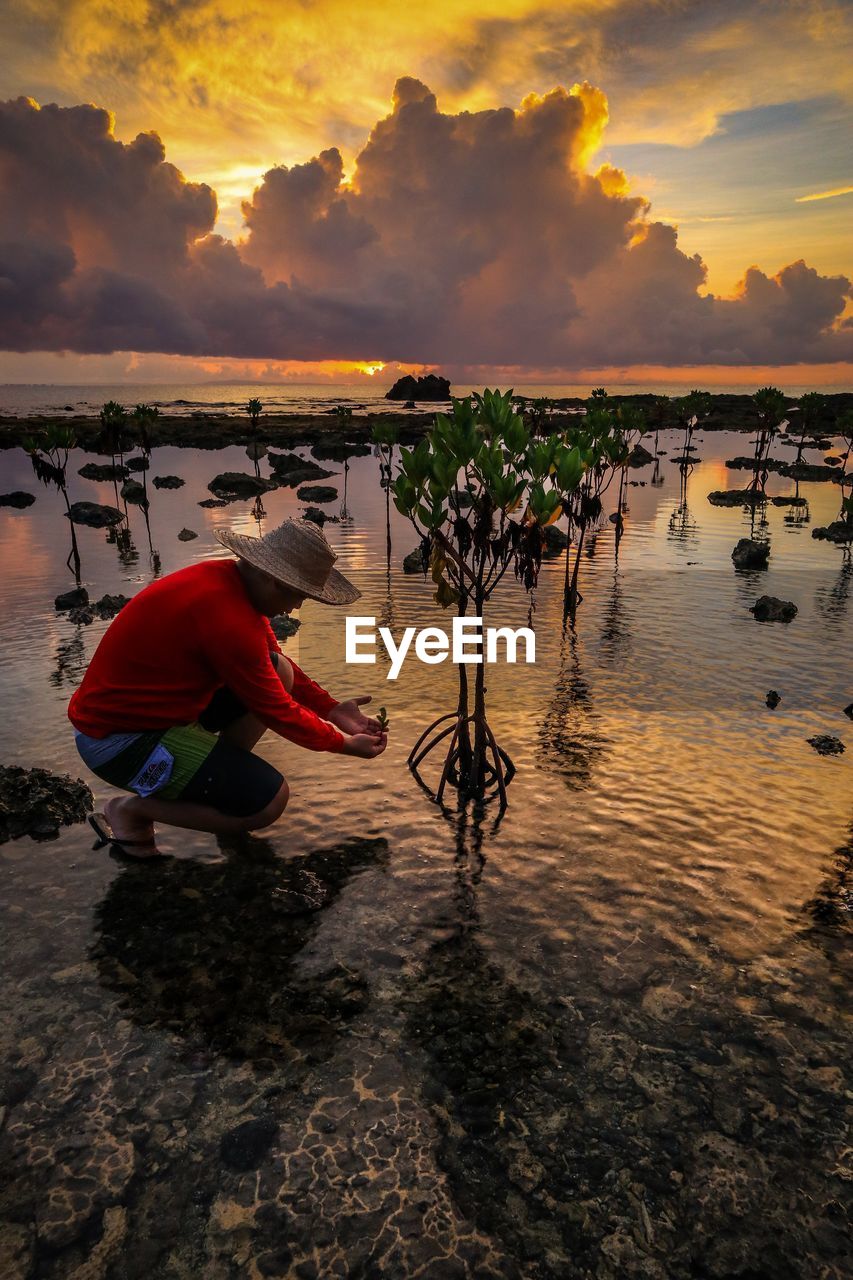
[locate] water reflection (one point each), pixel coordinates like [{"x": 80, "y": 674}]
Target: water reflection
[
  {"x": 571, "y": 739},
  {"x": 209, "y": 950},
  {"x": 70, "y": 661}
]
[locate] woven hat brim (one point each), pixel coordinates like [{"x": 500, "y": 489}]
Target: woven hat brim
[{"x": 337, "y": 589}]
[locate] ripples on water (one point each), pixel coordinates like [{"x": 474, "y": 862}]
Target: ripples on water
[{"x": 604, "y": 1039}]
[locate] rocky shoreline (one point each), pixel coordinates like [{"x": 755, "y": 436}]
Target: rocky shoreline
[{"x": 283, "y": 430}]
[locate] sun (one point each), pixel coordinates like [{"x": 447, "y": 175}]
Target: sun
[{"x": 371, "y": 369}]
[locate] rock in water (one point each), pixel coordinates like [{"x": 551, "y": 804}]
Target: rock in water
[
  {"x": 133, "y": 491},
  {"x": 555, "y": 541},
  {"x": 18, "y": 499},
  {"x": 316, "y": 516},
  {"x": 316, "y": 493},
  {"x": 213, "y": 502},
  {"x": 235, "y": 484},
  {"x": 283, "y": 626},
  {"x": 35, "y": 802},
  {"x": 640, "y": 456},
  {"x": 773, "y": 699},
  {"x": 340, "y": 451},
  {"x": 413, "y": 562},
  {"x": 430, "y": 387},
  {"x": 825, "y": 745},
  {"x": 139, "y": 463},
  {"x": 244, "y": 1147},
  {"x": 772, "y": 609},
  {"x": 751, "y": 555},
  {"x": 94, "y": 515},
  {"x": 848, "y": 711},
  {"x": 103, "y": 471},
  {"x": 734, "y": 497},
  {"x": 839, "y": 531},
  {"x": 73, "y": 599},
  {"x": 187, "y": 535},
  {"x": 168, "y": 482},
  {"x": 284, "y": 464},
  {"x": 108, "y": 606}
]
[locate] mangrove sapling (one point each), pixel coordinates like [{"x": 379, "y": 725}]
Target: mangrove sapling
[
  {"x": 812, "y": 406},
  {"x": 631, "y": 423},
  {"x": 382, "y": 717},
  {"x": 515, "y": 487},
  {"x": 114, "y": 439},
  {"x": 600, "y": 450},
  {"x": 689, "y": 411},
  {"x": 143, "y": 417},
  {"x": 770, "y": 407},
  {"x": 48, "y": 454},
  {"x": 254, "y": 409},
  {"x": 384, "y": 436}
]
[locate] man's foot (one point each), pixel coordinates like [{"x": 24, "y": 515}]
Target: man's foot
[{"x": 136, "y": 840}]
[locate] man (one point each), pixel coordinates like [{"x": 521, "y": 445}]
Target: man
[{"x": 188, "y": 677}]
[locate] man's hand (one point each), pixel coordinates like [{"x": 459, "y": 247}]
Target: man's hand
[
  {"x": 349, "y": 719},
  {"x": 366, "y": 745}
]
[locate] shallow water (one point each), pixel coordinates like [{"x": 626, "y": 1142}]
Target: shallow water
[{"x": 606, "y": 1037}]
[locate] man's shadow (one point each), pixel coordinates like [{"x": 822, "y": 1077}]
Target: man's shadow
[{"x": 209, "y": 950}]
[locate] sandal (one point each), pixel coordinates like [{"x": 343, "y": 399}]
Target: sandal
[{"x": 106, "y": 836}]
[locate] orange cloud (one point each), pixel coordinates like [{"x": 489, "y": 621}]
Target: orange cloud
[{"x": 466, "y": 238}]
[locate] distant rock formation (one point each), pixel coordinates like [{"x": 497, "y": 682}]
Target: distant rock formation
[{"x": 429, "y": 387}]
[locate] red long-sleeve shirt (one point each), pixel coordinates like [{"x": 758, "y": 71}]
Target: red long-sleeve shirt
[{"x": 163, "y": 657}]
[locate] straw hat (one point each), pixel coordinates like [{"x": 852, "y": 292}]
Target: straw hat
[{"x": 297, "y": 554}]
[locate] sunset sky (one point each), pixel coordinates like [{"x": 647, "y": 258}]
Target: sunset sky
[{"x": 550, "y": 189}]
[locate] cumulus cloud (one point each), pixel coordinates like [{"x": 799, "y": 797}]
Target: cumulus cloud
[{"x": 476, "y": 238}]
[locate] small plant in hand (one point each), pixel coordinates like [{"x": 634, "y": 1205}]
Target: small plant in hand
[{"x": 382, "y": 717}]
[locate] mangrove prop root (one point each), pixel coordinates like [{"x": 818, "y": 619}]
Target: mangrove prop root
[
  {"x": 497, "y": 772},
  {"x": 451, "y": 715}
]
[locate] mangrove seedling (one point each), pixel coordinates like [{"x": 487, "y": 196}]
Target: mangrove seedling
[
  {"x": 254, "y": 409},
  {"x": 513, "y": 486},
  {"x": 384, "y": 436},
  {"x": 812, "y": 406},
  {"x": 48, "y": 453},
  {"x": 382, "y": 717}
]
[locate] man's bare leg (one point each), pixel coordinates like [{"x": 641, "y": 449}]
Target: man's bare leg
[{"x": 132, "y": 817}]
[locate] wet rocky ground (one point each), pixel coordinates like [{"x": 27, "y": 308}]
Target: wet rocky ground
[{"x": 183, "y": 1101}]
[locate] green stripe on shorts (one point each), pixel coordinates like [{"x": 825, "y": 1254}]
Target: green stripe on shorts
[{"x": 189, "y": 745}]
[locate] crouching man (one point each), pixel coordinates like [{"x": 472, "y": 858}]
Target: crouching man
[{"x": 188, "y": 677}]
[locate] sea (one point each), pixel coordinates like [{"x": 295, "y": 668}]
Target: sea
[{"x": 200, "y": 398}]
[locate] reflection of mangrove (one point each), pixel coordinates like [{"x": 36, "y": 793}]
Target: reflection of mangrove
[
  {"x": 682, "y": 524},
  {"x": 208, "y": 950},
  {"x": 615, "y": 631},
  {"x": 255, "y": 451},
  {"x": 570, "y": 740},
  {"x": 553, "y": 1103},
  {"x": 69, "y": 660},
  {"x": 120, "y": 537},
  {"x": 833, "y": 602},
  {"x": 830, "y": 911}
]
